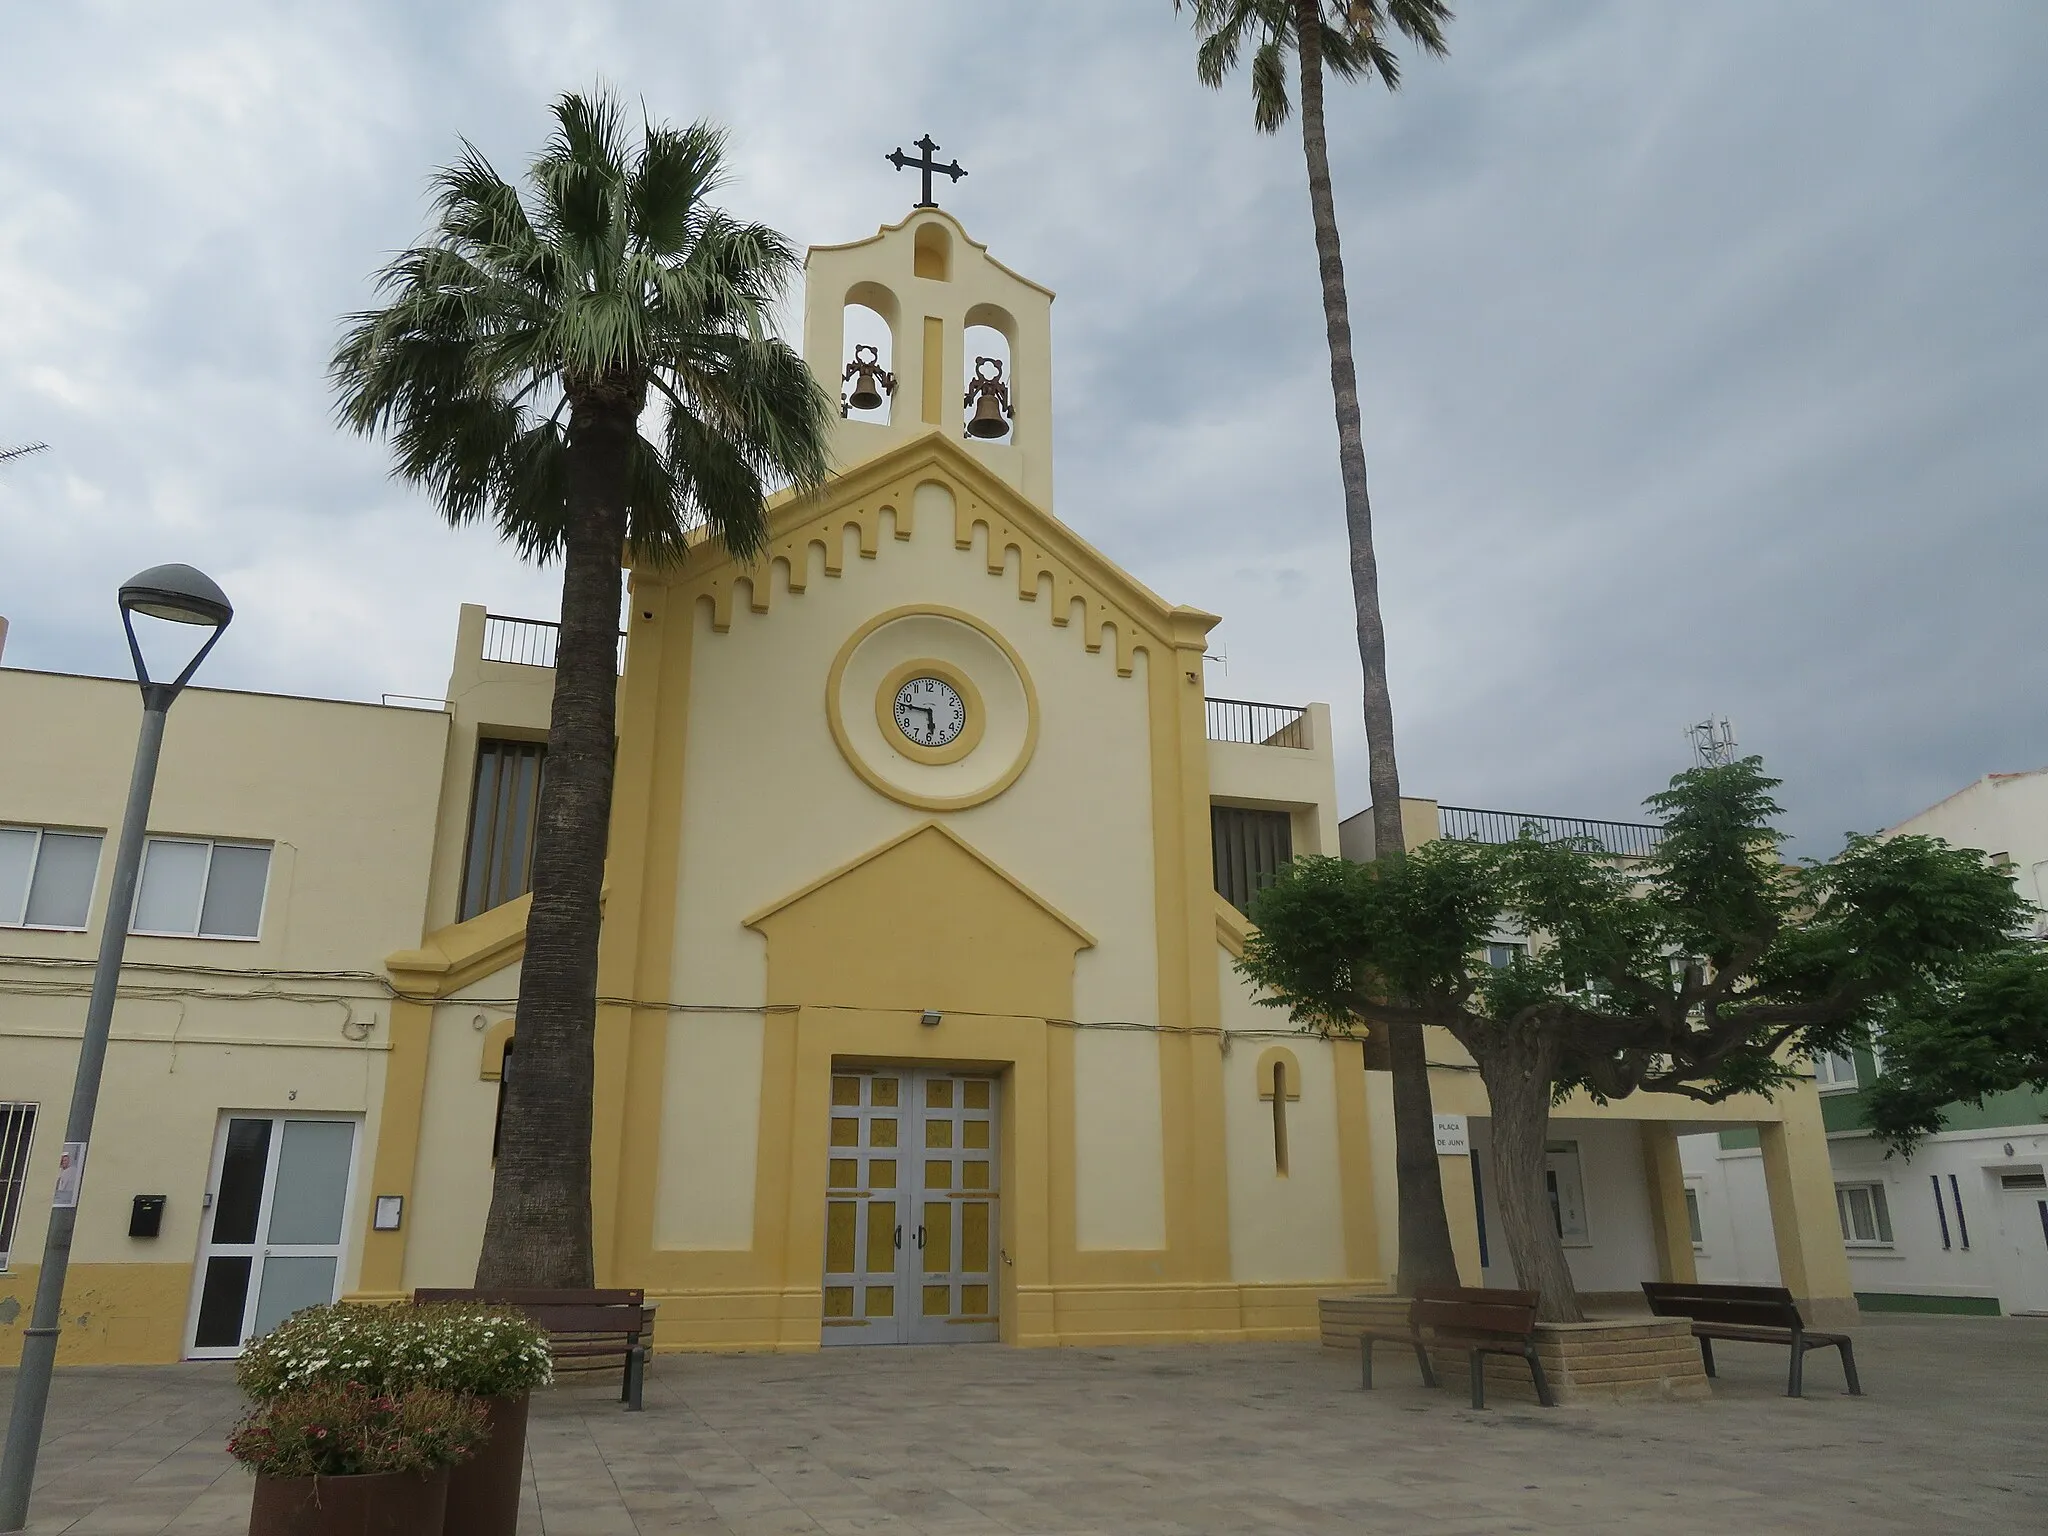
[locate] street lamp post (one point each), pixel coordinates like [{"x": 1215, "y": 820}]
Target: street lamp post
[{"x": 184, "y": 596}]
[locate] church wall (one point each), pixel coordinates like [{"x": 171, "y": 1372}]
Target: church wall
[
  {"x": 451, "y": 1191},
  {"x": 770, "y": 804},
  {"x": 1283, "y": 1226}
]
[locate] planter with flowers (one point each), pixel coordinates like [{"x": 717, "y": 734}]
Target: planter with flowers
[
  {"x": 349, "y": 1460},
  {"x": 494, "y": 1356}
]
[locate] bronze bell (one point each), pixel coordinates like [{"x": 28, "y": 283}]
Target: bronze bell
[
  {"x": 990, "y": 397},
  {"x": 870, "y": 382}
]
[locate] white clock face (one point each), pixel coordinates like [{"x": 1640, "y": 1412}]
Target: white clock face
[{"x": 929, "y": 712}]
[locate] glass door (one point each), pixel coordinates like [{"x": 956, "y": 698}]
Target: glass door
[
  {"x": 911, "y": 1235},
  {"x": 272, "y": 1236}
]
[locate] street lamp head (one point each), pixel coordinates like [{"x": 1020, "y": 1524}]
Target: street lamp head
[{"x": 178, "y": 593}]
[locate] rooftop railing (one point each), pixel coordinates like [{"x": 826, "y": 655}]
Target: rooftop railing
[
  {"x": 528, "y": 642},
  {"x": 1258, "y": 725},
  {"x": 1623, "y": 839}
]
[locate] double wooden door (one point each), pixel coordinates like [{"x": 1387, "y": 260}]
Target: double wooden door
[{"x": 912, "y": 1239}]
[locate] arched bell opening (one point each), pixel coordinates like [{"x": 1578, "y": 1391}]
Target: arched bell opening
[
  {"x": 988, "y": 404},
  {"x": 867, "y": 384}
]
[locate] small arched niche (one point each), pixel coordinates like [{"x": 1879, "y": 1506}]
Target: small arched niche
[
  {"x": 868, "y": 350},
  {"x": 931, "y": 252},
  {"x": 985, "y": 353}
]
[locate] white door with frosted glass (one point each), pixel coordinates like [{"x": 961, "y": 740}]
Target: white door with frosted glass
[
  {"x": 911, "y": 1236},
  {"x": 272, "y": 1235}
]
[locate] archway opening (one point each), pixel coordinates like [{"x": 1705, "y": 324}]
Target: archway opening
[
  {"x": 867, "y": 384},
  {"x": 988, "y": 392}
]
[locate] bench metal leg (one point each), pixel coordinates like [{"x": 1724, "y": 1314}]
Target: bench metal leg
[
  {"x": 1543, "y": 1393},
  {"x": 1849, "y": 1369},
  {"x": 636, "y": 1372},
  {"x": 1422, "y": 1360},
  {"x": 1707, "y": 1354},
  {"x": 1478, "y": 1379},
  {"x": 1365, "y": 1362},
  {"x": 1796, "y": 1385}
]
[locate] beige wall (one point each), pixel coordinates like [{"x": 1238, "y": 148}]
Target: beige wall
[
  {"x": 346, "y": 793},
  {"x": 1302, "y": 780},
  {"x": 485, "y": 698},
  {"x": 1291, "y": 1226}
]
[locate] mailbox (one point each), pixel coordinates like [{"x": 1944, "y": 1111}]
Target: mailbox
[{"x": 146, "y": 1216}]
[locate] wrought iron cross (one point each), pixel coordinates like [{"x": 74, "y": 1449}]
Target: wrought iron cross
[{"x": 927, "y": 164}]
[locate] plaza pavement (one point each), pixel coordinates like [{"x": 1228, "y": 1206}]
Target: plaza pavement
[{"x": 1147, "y": 1442}]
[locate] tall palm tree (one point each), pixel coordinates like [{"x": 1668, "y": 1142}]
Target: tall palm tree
[
  {"x": 1351, "y": 39},
  {"x": 522, "y": 344}
]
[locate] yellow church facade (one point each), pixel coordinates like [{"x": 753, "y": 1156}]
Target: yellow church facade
[{"x": 918, "y": 1017}]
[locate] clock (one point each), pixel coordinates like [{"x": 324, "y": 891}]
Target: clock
[{"x": 929, "y": 711}]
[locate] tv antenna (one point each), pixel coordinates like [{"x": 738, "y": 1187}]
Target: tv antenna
[
  {"x": 8, "y": 454},
  {"x": 1713, "y": 742}
]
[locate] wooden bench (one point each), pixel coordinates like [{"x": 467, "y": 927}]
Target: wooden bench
[
  {"x": 1750, "y": 1314},
  {"x": 582, "y": 1326},
  {"x": 1477, "y": 1320}
]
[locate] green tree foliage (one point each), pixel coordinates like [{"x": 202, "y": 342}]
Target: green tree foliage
[
  {"x": 1710, "y": 970},
  {"x": 1984, "y": 1031},
  {"x": 589, "y": 365},
  {"x": 1354, "y": 40}
]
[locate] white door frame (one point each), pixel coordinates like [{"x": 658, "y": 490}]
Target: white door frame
[{"x": 257, "y": 1249}]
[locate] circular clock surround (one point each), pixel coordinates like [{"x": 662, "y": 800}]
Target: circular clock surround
[
  {"x": 974, "y": 713},
  {"x": 999, "y": 707}
]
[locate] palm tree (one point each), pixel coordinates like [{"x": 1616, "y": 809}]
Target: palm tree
[
  {"x": 1350, "y": 38},
  {"x": 521, "y": 345}
]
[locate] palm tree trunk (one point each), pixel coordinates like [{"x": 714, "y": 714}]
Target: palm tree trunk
[
  {"x": 1518, "y": 1066},
  {"x": 1426, "y": 1255},
  {"x": 538, "y": 1232}
]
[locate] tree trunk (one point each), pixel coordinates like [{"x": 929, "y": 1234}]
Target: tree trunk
[
  {"x": 1518, "y": 1065},
  {"x": 1426, "y": 1255},
  {"x": 538, "y": 1231}
]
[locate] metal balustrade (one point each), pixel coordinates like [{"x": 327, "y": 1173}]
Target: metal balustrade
[
  {"x": 1622, "y": 839},
  {"x": 528, "y": 642},
  {"x": 1258, "y": 725}
]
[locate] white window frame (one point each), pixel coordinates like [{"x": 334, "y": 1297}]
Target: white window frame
[
  {"x": 1696, "y": 1215},
  {"x": 1880, "y": 1213},
  {"x": 13, "y": 1192},
  {"x": 35, "y": 862},
  {"x": 1828, "y": 1075},
  {"x": 205, "y": 880}
]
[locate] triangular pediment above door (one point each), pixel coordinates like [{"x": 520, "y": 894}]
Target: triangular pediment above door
[{"x": 923, "y": 921}]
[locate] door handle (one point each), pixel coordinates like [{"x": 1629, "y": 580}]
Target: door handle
[
  {"x": 899, "y": 1234},
  {"x": 920, "y": 1239}
]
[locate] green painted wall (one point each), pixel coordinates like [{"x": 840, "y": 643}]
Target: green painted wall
[{"x": 1904, "y": 1301}]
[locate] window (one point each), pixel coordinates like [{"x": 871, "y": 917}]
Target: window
[
  {"x": 1249, "y": 846},
  {"x": 1692, "y": 1219},
  {"x": 1834, "y": 1070},
  {"x": 46, "y": 877},
  {"x": 1503, "y": 954},
  {"x": 196, "y": 888},
  {"x": 503, "y": 811},
  {"x": 1865, "y": 1220},
  {"x": 17, "y": 1128}
]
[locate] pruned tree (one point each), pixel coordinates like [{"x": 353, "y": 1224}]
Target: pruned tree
[
  {"x": 1965, "y": 1038},
  {"x": 1709, "y": 970}
]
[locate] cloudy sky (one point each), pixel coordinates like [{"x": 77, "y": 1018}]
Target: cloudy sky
[{"x": 1703, "y": 349}]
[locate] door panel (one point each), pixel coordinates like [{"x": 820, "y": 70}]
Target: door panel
[
  {"x": 926, "y": 1243},
  {"x": 273, "y": 1240}
]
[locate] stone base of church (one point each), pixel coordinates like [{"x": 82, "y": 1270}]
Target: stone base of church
[{"x": 1607, "y": 1360}]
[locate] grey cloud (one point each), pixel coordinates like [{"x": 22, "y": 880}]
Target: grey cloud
[{"x": 1702, "y": 348}]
